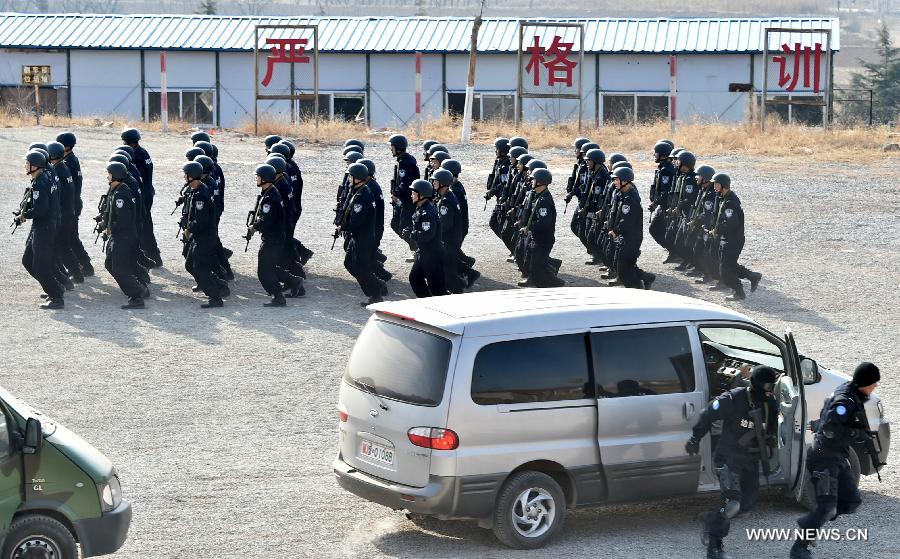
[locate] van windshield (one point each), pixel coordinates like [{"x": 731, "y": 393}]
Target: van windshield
[{"x": 399, "y": 363}]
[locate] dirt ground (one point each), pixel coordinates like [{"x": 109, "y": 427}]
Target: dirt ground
[{"x": 222, "y": 424}]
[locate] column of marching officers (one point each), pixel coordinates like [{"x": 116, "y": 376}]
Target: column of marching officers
[{"x": 694, "y": 215}]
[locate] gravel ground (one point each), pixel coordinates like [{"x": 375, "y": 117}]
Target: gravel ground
[{"x": 223, "y": 424}]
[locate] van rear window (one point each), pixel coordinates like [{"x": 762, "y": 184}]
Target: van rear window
[{"x": 399, "y": 363}]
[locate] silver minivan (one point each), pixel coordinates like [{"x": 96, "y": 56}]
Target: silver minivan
[{"x": 511, "y": 407}]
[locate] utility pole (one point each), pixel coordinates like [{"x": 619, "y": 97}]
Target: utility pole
[{"x": 470, "y": 85}]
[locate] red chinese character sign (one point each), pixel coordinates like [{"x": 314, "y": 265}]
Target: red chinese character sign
[
  {"x": 796, "y": 72},
  {"x": 283, "y": 53},
  {"x": 550, "y": 65}
]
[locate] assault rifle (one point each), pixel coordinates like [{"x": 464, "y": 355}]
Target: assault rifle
[
  {"x": 98, "y": 221},
  {"x": 759, "y": 432},
  {"x": 251, "y": 220},
  {"x": 182, "y": 196},
  {"x": 24, "y": 206},
  {"x": 870, "y": 440}
]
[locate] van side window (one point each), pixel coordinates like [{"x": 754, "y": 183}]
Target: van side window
[
  {"x": 643, "y": 362},
  {"x": 543, "y": 369},
  {"x": 5, "y": 446}
]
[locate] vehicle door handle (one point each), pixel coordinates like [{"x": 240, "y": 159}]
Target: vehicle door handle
[{"x": 687, "y": 410}]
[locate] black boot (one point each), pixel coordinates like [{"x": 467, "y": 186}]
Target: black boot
[
  {"x": 53, "y": 303},
  {"x": 277, "y": 301},
  {"x": 372, "y": 300},
  {"x": 715, "y": 549},
  {"x": 648, "y": 279},
  {"x": 297, "y": 290},
  {"x": 801, "y": 550},
  {"x": 134, "y": 303},
  {"x": 670, "y": 258},
  {"x": 472, "y": 277},
  {"x": 737, "y": 296},
  {"x": 754, "y": 281},
  {"x": 214, "y": 303},
  {"x": 87, "y": 269}
]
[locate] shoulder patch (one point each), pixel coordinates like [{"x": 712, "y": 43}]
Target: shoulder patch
[
  {"x": 199, "y": 204},
  {"x": 626, "y": 208},
  {"x": 841, "y": 410},
  {"x": 716, "y": 405},
  {"x": 357, "y": 208},
  {"x": 426, "y": 226},
  {"x": 665, "y": 179},
  {"x": 401, "y": 173},
  {"x": 729, "y": 212},
  {"x": 708, "y": 204},
  {"x": 543, "y": 212},
  {"x": 35, "y": 194},
  {"x": 266, "y": 208},
  {"x": 120, "y": 203},
  {"x": 443, "y": 210},
  {"x": 689, "y": 188}
]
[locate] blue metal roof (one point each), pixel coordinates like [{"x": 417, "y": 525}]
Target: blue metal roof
[{"x": 404, "y": 34}]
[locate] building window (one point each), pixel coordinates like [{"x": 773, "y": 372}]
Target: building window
[
  {"x": 642, "y": 362},
  {"x": 543, "y": 369},
  {"x": 306, "y": 106},
  {"x": 807, "y": 114},
  {"x": 485, "y": 106},
  {"x": 350, "y": 107},
  {"x": 631, "y": 108},
  {"x": 193, "y": 106}
]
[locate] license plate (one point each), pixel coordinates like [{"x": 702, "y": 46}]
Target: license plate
[{"x": 377, "y": 452}]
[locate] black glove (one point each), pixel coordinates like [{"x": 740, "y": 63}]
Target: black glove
[{"x": 692, "y": 447}]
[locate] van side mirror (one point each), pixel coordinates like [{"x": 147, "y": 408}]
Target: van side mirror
[
  {"x": 809, "y": 370},
  {"x": 34, "y": 436}
]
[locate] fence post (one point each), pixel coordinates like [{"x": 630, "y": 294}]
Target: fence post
[{"x": 163, "y": 93}]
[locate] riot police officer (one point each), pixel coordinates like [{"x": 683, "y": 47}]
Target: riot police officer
[
  {"x": 64, "y": 252},
  {"x": 144, "y": 163},
  {"x": 39, "y": 258},
  {"x": 660, "y": 191},
  {"x": 68, "y": 140},
  {"x": 540, "y": 233},
  {"x": 405, "y": 172},
  {"x": 426, "y": 145},
  {"x": 450, "y": 217},
  {"x": 122, "y": 232},
  {"x": 201, "y": 235},
  {"x": 627, "y": 229},
  {"x": 357, "y": 225},
  {"x": 465, "y": 261},
  {"x": 378, "y": 195},
  {"x": 497, "y": 181},
  {"x": 427, "y": 274},
  {"x": 842, "y": 423},
  {"x": 729, "y": 230},
  {"x": 749, "y": 423}
]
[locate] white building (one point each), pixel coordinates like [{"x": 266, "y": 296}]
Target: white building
[{"x": 105, "y": 64}]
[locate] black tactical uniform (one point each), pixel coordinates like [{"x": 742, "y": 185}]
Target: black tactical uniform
[
  {"x": 358, "y": 225},
  {"x": 629, "y": 230},
  {"x": 540, "y": 238},
  {"x": 270, "y": 223},
  {"x": 144, "y": 164},
  {"x": 64, "y": 242},
  {"x": 450, "y": 216},
  {"x": 842, "y": 423},
  {"x": 737, "y": 455},
  {"x": 71, "y": 161},
  {"x": 427, "y": 274},
  {"x": 39, "y": 258},
  {"x": 405, "y": 172},
  {"x": 203, "y": 238},
  {"x": 660, "y": 194},
  {"x": 729, "y": 229},
  {"x": 123, "y": 240},
  {"x": 497, "y": 181}
]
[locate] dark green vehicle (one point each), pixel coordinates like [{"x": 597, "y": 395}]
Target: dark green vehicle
[{"x": 57, "y": 492}]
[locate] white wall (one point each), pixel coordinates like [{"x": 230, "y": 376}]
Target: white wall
[
  {"x": 393, "y": 82},
  {"x": 11, "y": 62},
  {"x": 106, "y": 82},
  {"x": 703, "y": 82}
]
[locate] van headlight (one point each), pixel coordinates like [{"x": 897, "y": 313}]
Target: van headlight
[{"x": 110, "y": 494}]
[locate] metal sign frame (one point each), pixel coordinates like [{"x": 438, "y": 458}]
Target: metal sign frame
[
  {"x": 257, "y": 97},
  {"x": 826, "y": 88},
  {"x": 520, "y": 90}
]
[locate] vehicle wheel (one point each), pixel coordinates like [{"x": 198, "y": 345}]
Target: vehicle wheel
[
  {"x": 808, "y": 495},
  {"x": 39, "y": 537},
  {"x": 530, "y": 509}
]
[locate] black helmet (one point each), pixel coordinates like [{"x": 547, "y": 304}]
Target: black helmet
[
  {"x": 266, "y": 172},
  {"x": 277, "y": 163},
  {"x": 662, "y": 149},
  {"x": 436, "y": 148},
  {"x": 271, "y": 140},
  {"x": 56, "y": 150},
  {"x": 440, "y": 155},
  {"x": 215, "y": 153},
  {"x": 666, "y": 141},
  {"x": 67, "y": 139},
  {"x": 36, "y": 158},
  {"x": 542, "y": 176},
  {"x": 370, "y": 165},
  {"x": 127, "y": 153},
  {"x": 687, "y": 158},
  {"x": 131, "y": 136},
  {"x": 200, "y": 136},
  {"x": 399, "y": 141},
  {"x": 625, "y": 174},
  {"x": 676, "y": 152},
  {"x": 516, "y": 151},
  {"x": 622, "y": 164},
  {"x": 443, "y": 176},
  {"x": 193, "y": 152},
  {"x": 119, "y": 158},
  {"x": 616, "y": 157},
  {"x": 588, "y": 146},
  {"x": 353, "y": 157},
  {"x": 524, "y": 159},
  {"x": 722, "y": 179},
  {"x": 427, "y": 144},
  {"x": 596, "y": 155},
  {"x": 291, "y": 149},
  {"x": 762, "y": 379},
  {"x": 423, "y": 187},
  {"x": 206, "y": 147},
  {"x": 518, "y": 141},
  {"x": 37, "y": 145},
  {"x": 536, "y": 164},
  {"x": 117, "y": 170},
  {"x": 207, "y": 163},
  {"x": 355, "y": 142},
  {"x": 351, "y": 148},
  {"x": 502, "y": 144},
  {"x": 358, "y": 171},
  {"x": 452, "y": 165},
  {"x": 706, "y": 172},
  {"x": 282, "y": 149},
  {"x": 193, "y": 170},
  {"x": 580, "y": 142}
]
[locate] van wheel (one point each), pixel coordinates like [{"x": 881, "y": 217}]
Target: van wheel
[
  {"x": 39, "y": 537},
  {"x": 808, "y": 495},
  {"x": 530, "y": 509}
]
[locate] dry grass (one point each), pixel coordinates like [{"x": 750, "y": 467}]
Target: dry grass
[{"x": 858, "y": 144}]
